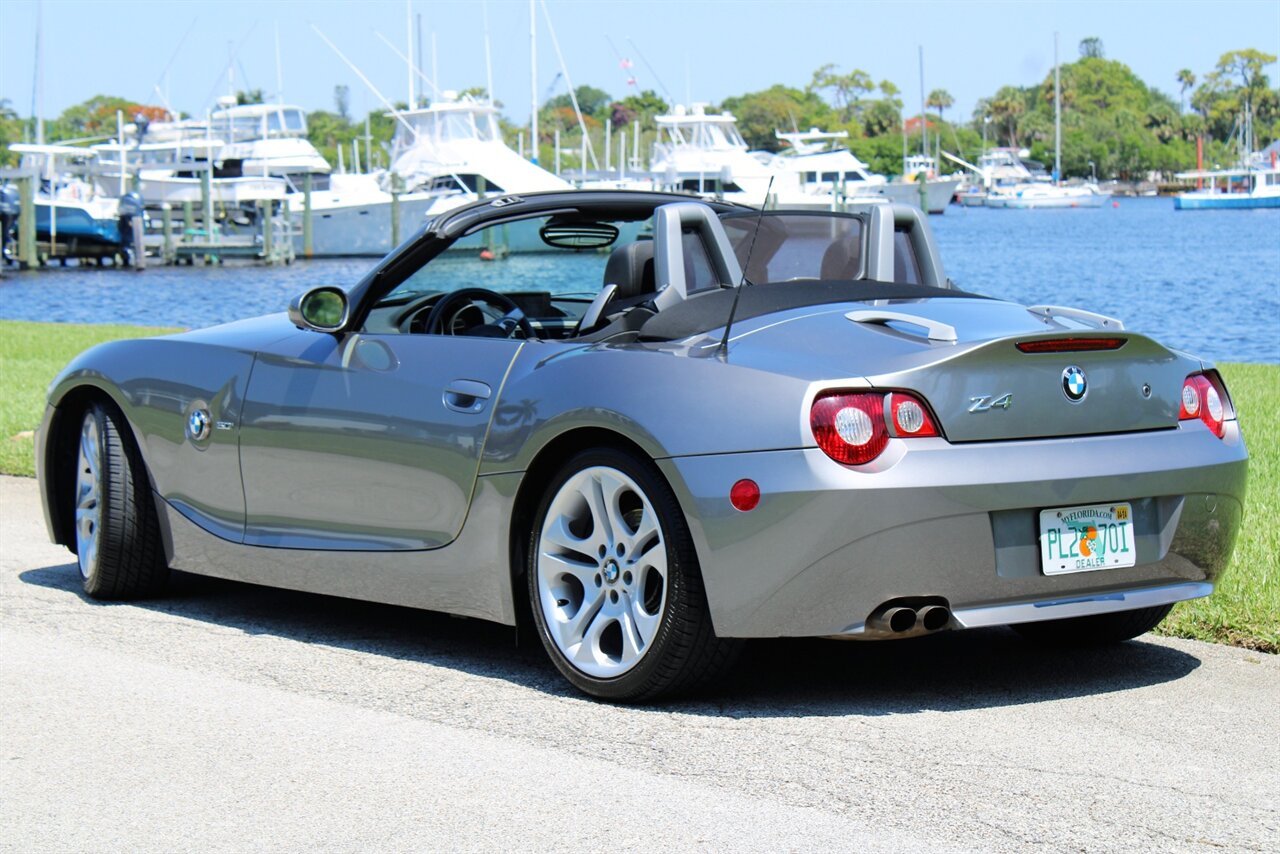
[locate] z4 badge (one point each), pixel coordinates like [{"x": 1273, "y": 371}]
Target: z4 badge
[{"x": 986, "y": 402}]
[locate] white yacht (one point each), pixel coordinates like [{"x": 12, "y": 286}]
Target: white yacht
[
  {"x": 701, "y": 152},
  {"x": 826, "y": 166},
  {"x": 266, "y": 139},
  {"x": 1047, "y": 195},
  {"x": 176, "y": 172},
  {"x": 442, "y": 156},
  {"x": 997, "y": 167},
  {"x": 939, "y": 189}
]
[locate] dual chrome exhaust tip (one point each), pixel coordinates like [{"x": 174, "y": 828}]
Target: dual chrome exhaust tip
[{"x": 905, "y": 619}]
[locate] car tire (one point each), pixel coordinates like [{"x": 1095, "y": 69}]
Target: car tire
[
  {"x": 118, "y": 543},
  {"x": 1095, "y": 630},
  {"x": 614, "y": 583}
]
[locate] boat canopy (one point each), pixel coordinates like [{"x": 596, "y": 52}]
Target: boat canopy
[
  {"x": 258, "y": 121},
  {"x": 699, "y": 129},
  {"x": 464, "y": 120}
]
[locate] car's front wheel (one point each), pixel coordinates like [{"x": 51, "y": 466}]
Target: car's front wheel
[
  {"x": 614, "y": 583},
  {"x": 118, "y": 543},
  {"x": 1095, "y": 630}
]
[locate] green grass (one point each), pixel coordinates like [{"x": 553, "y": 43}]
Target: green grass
[
  {"x": 1244, "y": 610},
  {"x": 31, "y": 354}
]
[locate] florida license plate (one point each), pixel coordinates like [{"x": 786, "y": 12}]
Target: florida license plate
[{"x": 1082, "y": 539}]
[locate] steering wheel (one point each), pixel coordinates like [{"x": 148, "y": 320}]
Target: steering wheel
[{"x": 512, "y": 318}]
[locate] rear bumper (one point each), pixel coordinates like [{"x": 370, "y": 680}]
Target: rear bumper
[
  {"x": 1080, "y": 606},
  {"x": 828, "y": 544}
]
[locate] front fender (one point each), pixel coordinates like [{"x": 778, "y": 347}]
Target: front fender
[{"x": 156, "y": 383}]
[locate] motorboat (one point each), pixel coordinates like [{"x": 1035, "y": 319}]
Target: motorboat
[
  {"x": 939, "y": 189},
  {"x": 1258, "y": 175},
  {"x": 444, "y": 155},
  {"x": 825, "y": 168},
  {"x": 71, "y": 218},
  {"x": 701, "y": 152},
  {"x": 180, "y": 172},
  {"x": 265, "y": 139},
  {"x": 704, "y": 153},
  {"x": 1047, "y": 195}
]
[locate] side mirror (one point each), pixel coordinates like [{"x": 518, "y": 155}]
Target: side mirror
[{"x": 322, "y": 309}]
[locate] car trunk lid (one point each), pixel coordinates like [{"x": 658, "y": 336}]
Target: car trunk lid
[{"x": 962, "y": 356}]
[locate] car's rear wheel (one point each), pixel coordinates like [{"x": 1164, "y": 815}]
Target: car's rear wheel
[
  {"x": 614, "y": 583},
  {"x": 118, "y": 543},
  {"x": 1095, "y": 630}
]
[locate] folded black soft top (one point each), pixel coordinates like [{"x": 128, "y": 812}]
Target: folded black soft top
[{"x": 706, "y": 311}]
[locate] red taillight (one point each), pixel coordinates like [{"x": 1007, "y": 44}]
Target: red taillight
[
  {"x": 851, "y": 427},
  {"x": 1204, "y": 397},
  {"x": 909, "y": 416},
  {"x": 1070, "y": 345}
]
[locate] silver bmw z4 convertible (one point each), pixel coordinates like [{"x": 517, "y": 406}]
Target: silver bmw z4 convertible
[{"x": 653, "y": 426}]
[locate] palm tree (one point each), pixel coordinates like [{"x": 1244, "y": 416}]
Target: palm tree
[
  {"x": 1186, "y": 80},
  {"x": 941, "y": 99},
  {"x": 1006, "y": 108}
]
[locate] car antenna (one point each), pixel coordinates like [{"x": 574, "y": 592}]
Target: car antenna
[{"x": 737, "y": 292}]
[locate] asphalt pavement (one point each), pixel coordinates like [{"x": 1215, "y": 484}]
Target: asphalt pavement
[{"x": 230, "y": 717}]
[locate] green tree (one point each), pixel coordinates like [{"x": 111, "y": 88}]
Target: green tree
[
  {"x": 94, "y": 117},
  {"x": 642, "y": 106},
  {"x": 941, "y": 100},
  {"x": 342, "y": 101},
  {"x": 12, "y": 129},
  {"x": 882, "y": 117},
  {"x": 1186, "y": 80},
  {"x": 846, "y": 90},
  {"x": 761, "y": 114},
  {"x": 251, "y": 96},
  {"x": 592, "y": 101},
  {"x": 1091, "y": 48},
  {"x": 1007, "y": 107}
]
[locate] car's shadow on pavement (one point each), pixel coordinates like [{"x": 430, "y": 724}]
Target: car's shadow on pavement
[{"x": 950, "y": 671}]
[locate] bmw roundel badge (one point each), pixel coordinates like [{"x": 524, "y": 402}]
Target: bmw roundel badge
[
  {"x": 198, "y": 423},
  {"x": 1074, "y": 384}
]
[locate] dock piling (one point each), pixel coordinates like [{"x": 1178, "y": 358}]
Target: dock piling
[
  {"x": 397, "y": 187},
  {"x": 166, "y": 220},
  {"x": 308, "y": 246},
  {"x": 139, "y": 242},
  {"x": 27, "y": 258}
]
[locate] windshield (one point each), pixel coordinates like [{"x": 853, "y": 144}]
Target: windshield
[
  {"x": 796, "y": 245},
  {"x": 552, "y": 284}
]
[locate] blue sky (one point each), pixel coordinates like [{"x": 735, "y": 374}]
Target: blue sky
[{"x": 703, "y": 48}]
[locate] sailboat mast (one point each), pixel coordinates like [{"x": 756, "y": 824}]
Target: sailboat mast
[
  {"x": 488, "y": 59},
  {"x": 533, "y": 81},
  {"x": 1057, "y": 114},
  {"x": 408, "y": 31},
  {"x": 924, "y": 121},
  {"x": 37, "y": 105},
  {"x": 418, "y": 55},
  {"x": 279, "y": 72}
]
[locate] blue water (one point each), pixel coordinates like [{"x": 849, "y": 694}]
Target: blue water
[{"x": 1203, "y": 281}]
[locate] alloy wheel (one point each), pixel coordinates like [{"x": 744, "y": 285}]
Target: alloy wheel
[{"x": 602, "y": 572}]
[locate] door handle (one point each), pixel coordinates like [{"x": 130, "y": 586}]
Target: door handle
[{"x": 467, "y": 396}]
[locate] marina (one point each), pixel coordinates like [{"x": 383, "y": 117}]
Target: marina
[
  {"x": 226, "y": 199},
  {"x": 1201, "y": 280}
]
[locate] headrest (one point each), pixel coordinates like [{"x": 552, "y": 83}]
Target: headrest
[
  {"x": 630, "y": 267},
  {"x": 839, "y": 262}
]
